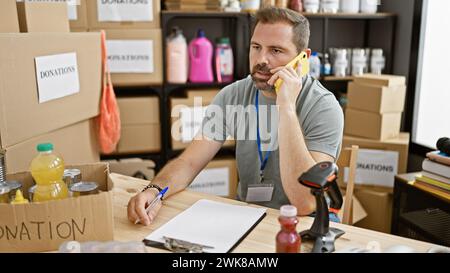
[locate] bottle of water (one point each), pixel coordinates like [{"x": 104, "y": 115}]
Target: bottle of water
[
  {"x": 326, "y": 67},
  {"x": 314, "y": 65}
]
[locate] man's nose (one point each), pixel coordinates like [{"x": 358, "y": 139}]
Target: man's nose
[{"x": 262, "y": 59}]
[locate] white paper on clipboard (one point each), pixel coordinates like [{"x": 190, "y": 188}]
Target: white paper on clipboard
[{"x": 210, "y": 223}]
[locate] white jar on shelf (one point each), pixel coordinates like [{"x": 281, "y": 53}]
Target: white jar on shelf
[
  {"x": 340, "y": 63},
  {"x": 349, "y": 6},
  {"x": 369, "y": 6},
  {"x": 358, "y": 61},
  {"x": 329, "y": 6},
  {"x": 311, "y": 5},
  {"x": 377, "y": 61}
]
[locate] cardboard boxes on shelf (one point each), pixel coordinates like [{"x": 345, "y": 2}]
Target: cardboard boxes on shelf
[
  {"x": 43, "y": 17},
  {"x": 37, "y": 227},
  {"x": 219, "y": 178},
  {"x": 187, "y": 116},
  {"x": 135, "y": 56},
  {"x": 55, "y": 78},
  {"x": 124, "y": 14},
  {"x": 375, "y": 106},
  {"x": 135, "y": 167},
  {"x": 141, "y": 128},
  {"x": 9, "y": 21}
]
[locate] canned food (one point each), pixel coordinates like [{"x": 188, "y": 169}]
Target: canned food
[
  {"x": 31, "y": 193},
  {"x": 4, "y": 193},
  {"x": 84, "y": 188},
  {"x": 71, "y": 176}
]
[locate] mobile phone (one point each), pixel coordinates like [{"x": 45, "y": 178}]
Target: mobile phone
[{"x": 303, "y": 58}]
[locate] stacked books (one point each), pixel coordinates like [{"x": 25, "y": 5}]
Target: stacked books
[
  {"x": 435, "y": 174},
  {"x": 192, "y": 5}
]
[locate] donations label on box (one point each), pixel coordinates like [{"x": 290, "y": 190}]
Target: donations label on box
[
  {"x": 375, "y": 167},
  {"x": 57, "y": 76},
  {"x": 120, "y": 10},
  {"x": 212, "y": 181},
  {"x": 191, "y": 121},
  {"x": 130, "y": 56}
]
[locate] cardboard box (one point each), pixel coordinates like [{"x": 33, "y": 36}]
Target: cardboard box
[
  {"x": 178, "y": 106},
  {"x": 112, "y": 15},
  {"x": 147, "y": 67},
  {"x": 76, "y": 144},
  {"x": 78, "y": 18},
  {"x": 9, "y": 21},
  {"x": 399, "y": 144},
  {"x": 45, "y": 226},
  {"x": 372, "y": 125},
  {"x": 141, "y": 128},
  {"x": 23, "y": 117},
  {"x": 219, "y": 178},
  {"x": 380, "y": 80},
  {"x": 135, "y": 167},
  {"x": 378, "y": 99},
  {"x": 43, "y": 17},
  {"x": 377, "y": 202},
  {"x": 76, "y": 12},
  {"x": 358, "y": 212}
]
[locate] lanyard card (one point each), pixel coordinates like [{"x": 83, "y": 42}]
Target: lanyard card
[{"x": 259, "y": 193}]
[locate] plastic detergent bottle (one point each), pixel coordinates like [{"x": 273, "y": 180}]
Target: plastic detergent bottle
[
  {"x": 177, "y": 57},
  {"x": 200, "y": 59},
  {"x": 314, "y": 64},
  {"x": 224, "y": 60},
  {"x": 47, "y": 169},
  {"x": 288, "y": 240}
]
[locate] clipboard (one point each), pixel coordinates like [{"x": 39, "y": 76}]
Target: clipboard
[{"x": 207, "y": 226}]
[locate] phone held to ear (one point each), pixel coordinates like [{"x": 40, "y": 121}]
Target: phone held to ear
[{"x": 303, "y": 59}]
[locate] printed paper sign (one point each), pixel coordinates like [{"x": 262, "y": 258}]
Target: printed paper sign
[
  {"x": 212, "y": 181},
  {"x": 121, "y": 10},
  {"x": 72, "y": 11},
  {"x": 130, "y": 56},
  {"x": 191, "y": 121},
  {"x": 375, "y": 167},
  {"x": 57, "y": 76},
  {"x": 71, "y": 6}
]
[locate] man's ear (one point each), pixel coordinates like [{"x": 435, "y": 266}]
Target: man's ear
[{"x": 308, "y": 52}]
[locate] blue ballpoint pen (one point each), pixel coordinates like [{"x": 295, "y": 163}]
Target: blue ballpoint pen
[{"x": 154, "y": 202}]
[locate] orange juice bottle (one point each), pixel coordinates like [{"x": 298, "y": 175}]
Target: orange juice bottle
[{"x": 47, "y": 169}]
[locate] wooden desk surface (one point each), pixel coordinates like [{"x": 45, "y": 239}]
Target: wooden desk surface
[{"x": 260, "y": 240}]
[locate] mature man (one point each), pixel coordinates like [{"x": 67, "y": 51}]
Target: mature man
[{"x": 295, "y": 128}]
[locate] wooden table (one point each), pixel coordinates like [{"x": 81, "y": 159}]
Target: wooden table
[{"x": 260, "y": 240}]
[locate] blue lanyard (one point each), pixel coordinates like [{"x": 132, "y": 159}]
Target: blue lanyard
[{"x": 258, "y": 137}]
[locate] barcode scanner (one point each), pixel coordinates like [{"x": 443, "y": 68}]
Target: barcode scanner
[{"x": 321, "y": 178}]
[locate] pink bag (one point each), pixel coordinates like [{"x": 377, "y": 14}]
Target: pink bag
[{"x": 109, "y": 117}]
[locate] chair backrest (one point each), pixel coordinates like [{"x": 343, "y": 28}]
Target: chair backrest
[{"x": 348, "y": 158}]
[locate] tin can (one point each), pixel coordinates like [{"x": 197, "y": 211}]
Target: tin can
[
  {"x": 84, "y": 188},
  {"x": 71, "y": 176},
  {"x": 31, "y": 193},
  {"x": 4, "y": 193}
]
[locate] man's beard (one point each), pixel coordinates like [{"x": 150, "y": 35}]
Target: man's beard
[{"x": 262, "y": 84}]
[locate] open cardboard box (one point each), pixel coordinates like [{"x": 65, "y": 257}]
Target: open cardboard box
[{"x": 37, "y": 227}]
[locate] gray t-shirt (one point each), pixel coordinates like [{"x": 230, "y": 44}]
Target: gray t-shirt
[{"x": 233, "y": 113}]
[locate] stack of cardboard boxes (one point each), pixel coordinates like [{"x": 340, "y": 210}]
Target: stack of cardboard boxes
[
  {"x": 372, "y": 121},
  {"x": 141, "y": 128},
  {"x": 50, "y": 92},
  {"x": 51, "y": 83}
]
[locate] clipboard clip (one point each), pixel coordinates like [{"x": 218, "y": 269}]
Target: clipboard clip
[{"x": 180, "y": 246}]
